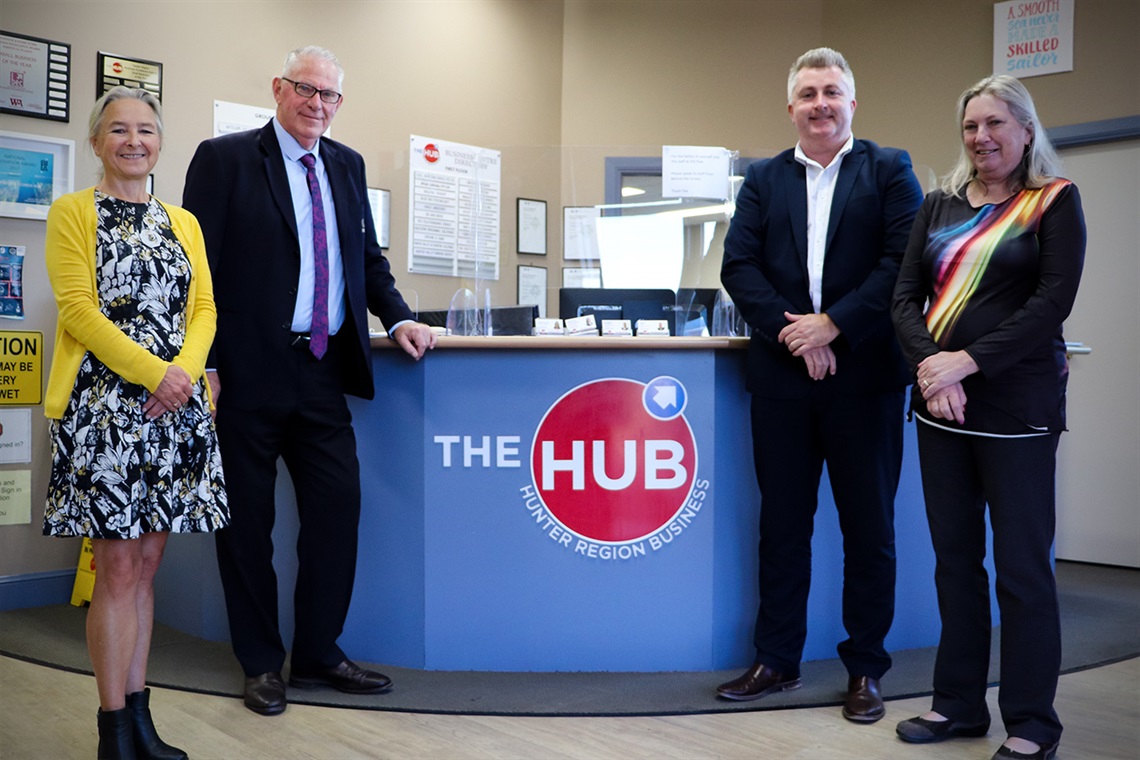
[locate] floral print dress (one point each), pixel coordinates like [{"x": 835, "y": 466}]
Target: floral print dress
[{"x": 115, "y": 473}]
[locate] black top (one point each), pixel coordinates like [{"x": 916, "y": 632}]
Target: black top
[{"x": 997, "y": 282}]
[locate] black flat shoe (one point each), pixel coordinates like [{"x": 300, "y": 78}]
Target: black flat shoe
[
  {"x": 1046, "y": 752},
  {"x": 922, "y": 731}
]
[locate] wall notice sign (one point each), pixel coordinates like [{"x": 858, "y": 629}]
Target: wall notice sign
[
  {"x": 239, "y": 117},
  {"x": 12, "y": 279},
  {"x": 15, "y": 497},
  {"x": 15, "y": 436},
  {"x": 453, "y": 209},
  {"x": 694, "y": 171},
  {"x": 1033, "y": 37},
  {"x": 21, "y": 368}
]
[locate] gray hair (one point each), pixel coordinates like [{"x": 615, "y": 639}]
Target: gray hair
[
  {"x": 95, "y": 122},
  {"x": 821, "y": 58},
  {"x": 1038, "y": 165},
  {"x": 293, "y": 60}
]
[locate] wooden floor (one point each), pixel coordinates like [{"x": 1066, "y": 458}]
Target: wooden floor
[{"x": 46, "y": 713}]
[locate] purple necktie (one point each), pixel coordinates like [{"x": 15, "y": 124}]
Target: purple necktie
[{"x": 319, "y": 329}]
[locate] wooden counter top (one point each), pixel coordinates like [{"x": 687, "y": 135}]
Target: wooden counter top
[{"x": 508, "y": 342}]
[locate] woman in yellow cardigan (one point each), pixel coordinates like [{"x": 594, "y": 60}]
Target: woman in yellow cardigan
[{"x": 134, "y": 455}]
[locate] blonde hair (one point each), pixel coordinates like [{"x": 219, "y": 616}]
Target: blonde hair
[
  {"x": 821, "y": 58},
  {"x": 1039, "y": 164}
]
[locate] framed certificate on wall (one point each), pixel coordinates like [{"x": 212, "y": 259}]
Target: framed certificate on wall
[{"x": 532, "y": 226}]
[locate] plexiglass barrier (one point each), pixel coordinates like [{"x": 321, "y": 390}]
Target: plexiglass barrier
[{"x": 612, "y": 218}]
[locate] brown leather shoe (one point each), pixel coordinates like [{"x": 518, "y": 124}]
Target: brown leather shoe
[
  {"x": 347, "y": 677},
  {"x": 265, "y": 694},
  {"x": 758, "y": 681},
  {"x": 864, "y": 703}
]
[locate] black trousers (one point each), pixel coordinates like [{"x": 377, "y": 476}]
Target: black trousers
[
  {"x": 961, "y": 474},
  {"x": 303, "y": 419},
  {"x": 860, "y": 439}
]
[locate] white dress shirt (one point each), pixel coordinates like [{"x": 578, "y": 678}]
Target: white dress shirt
[{"x": 820, "y": 190}]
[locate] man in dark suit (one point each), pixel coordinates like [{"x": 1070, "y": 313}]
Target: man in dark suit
[
  {"x": 296, "y": 265},
  {"x": 810, "y": 260}
]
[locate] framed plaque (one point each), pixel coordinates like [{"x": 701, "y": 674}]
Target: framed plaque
[
  {"x": 531, "y": 226},
  {"x": 581, "y": 277},
  {"x": 580, "y": 233},
  {"x": 113, "y": 70},
  {"x": 34, "y": 171},
  {"x": 532, "y": 288},
  {"x": 380, "y": 201},
  {"x": 35, "y": 77}
]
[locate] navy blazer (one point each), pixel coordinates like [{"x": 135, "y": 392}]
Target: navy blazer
[
  {"x": 765, "y": 267},
  {"x": 237, "y": 187}
]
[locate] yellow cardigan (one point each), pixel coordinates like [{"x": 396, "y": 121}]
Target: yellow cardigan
[{"x": 70, "y": 258}]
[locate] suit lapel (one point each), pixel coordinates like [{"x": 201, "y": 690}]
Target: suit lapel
[
  {"x": 278, "y": 180},
  {"x": 848, "y": 172},
  {"x": 795, "y": 189},
  {"x": 345, "y": 195}
]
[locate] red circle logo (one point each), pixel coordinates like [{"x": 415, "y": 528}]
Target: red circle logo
[
  {"x": 431, "y": 153},
  {"x": 117, "y": 67},
  {"x": 609, "y": 465}
]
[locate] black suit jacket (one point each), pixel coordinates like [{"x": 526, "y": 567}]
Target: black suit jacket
[
  {"x": 765, "y": 267},
  {"x": 237, "y": 187}
]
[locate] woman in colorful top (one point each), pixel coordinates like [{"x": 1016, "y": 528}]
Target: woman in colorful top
[
  {"x": 997, "y": 254},
  {"x": 134, "y": 455}
]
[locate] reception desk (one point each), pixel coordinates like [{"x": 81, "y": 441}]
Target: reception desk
[{"x": 546, "y": 504}]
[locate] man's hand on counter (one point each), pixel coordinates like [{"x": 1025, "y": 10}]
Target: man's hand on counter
[{"x": 415, "y": 338}]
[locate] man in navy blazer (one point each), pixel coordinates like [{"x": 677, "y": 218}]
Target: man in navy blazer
[
  {"x": 277, "y": 393},
  {"x": 811, "y": 260}
]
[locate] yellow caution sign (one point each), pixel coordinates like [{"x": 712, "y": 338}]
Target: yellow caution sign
[
  {"x": 84, "y": 576},
  {"x": 21, "y": 368}
]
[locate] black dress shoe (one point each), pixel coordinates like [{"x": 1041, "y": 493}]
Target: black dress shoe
[
  {"x": 758, "y": 681},
  {"x": 864, "y": 703},
  {"x": 265, "y": 694},
  {"x": 347, "y": 677},
  {"x": 923, "y": 731},
  {"x": 1046, "y": 752}
]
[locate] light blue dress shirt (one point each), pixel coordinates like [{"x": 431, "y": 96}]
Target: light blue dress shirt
[{"x": 291, "y": 152}]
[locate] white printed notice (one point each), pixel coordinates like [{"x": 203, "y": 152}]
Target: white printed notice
[
  {"x": 237, "y": 117},
  {"x": 453, "y": 217},
  {"x": 694, "y": 171},
  {"x": 1033, "y": 37},
  {"x": 15, "y": 435},
  {"x": 15, "y": 497}
]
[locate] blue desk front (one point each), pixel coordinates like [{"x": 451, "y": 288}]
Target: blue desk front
[{"x": 488, "y": 541}]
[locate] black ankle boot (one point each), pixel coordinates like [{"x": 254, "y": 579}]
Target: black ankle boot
[
  {"x": 147, "y": 744},
  {"x": 115, "y": 740}
]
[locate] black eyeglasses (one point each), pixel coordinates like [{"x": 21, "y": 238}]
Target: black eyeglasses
[{"x": 307, "y": 91}]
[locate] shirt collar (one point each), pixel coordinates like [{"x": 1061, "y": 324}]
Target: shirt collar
[
  {"x": 290, "y": 148},
  {"x": 802, "y": 157}
]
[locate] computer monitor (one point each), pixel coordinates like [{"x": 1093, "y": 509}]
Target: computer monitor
[
  {"x": 618, "y": 303},
  {"x": 505, "y": 320}
]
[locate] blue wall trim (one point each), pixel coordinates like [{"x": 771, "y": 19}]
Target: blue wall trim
[{"x": 36, "y": 589}]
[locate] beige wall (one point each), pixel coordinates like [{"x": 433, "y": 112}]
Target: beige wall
[
  {"x": 913, "y": 58},
  {"x": 485, "y": 72},
  {"x": 556, "y": 85}
]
